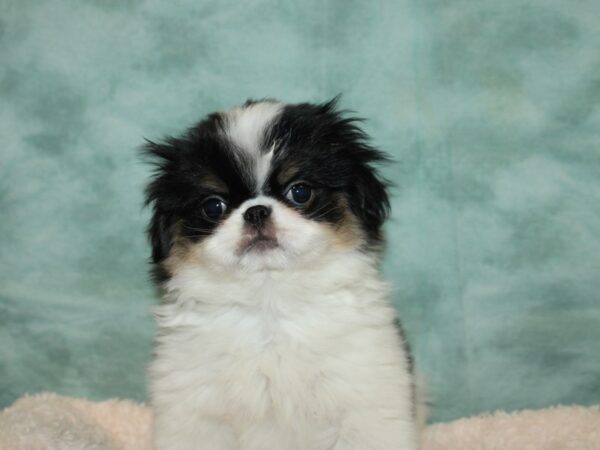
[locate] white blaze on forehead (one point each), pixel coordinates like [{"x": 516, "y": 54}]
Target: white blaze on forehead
[{"x": 245, "y": 129}]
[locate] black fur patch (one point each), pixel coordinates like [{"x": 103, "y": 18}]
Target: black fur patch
[
  {"x": 332, "y": 153},
  {"x": 178, "y": 189}
]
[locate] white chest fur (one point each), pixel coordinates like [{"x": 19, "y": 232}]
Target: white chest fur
[{"x": 306, "y": 360}]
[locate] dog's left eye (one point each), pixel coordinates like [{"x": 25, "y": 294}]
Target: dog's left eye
[
  {"x": 299, "y": 193},
  {"x": 214, "y": 207}
]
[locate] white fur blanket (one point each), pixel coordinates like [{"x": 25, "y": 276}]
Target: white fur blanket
[{"x": 51, "y": 422}]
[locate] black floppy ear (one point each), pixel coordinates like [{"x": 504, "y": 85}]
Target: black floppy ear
[
  {"x": 159, "y": 197},
  {"x": 367, "y": 190},
  {"x": 369, "y": 200},
  {"x": 160, "y": 233}
]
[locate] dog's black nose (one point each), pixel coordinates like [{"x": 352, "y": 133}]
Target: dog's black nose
[{"x": 256, "y": 215}]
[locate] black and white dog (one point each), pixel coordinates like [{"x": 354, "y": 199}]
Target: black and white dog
[{"x": 275, "y": 328}]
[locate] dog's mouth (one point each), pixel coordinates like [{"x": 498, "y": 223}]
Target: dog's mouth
[
  {"x": 258, "y": 243},
  {"x": 261, "y": 244}
]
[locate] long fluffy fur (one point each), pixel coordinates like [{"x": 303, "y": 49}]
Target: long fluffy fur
[{"x": 290, "y": 349}]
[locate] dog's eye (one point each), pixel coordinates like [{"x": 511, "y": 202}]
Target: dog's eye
[
  {"x": 214, "y": 207},
  {"x": 299, "y": 193}
]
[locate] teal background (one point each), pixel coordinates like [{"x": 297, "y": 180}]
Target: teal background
[{"x": 490, "y": 108}]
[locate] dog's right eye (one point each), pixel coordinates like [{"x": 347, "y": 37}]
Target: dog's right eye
[{"x": 214, "y": 208}]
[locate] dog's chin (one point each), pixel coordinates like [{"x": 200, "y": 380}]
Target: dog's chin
[{"x": 264, "y": 256}]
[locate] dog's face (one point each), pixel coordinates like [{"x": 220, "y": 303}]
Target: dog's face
[{"x": 265, "y": 186}]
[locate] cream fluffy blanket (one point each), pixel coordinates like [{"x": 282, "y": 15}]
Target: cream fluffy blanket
[{"x": 52, "y": 422}]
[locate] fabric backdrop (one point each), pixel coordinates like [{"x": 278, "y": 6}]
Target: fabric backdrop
[{"x": 490, "y": 108}]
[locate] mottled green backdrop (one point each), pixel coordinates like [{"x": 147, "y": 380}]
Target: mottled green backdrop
[{"x": 491, "y": 109}]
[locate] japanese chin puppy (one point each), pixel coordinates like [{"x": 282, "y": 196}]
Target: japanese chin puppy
[{"x": 275, "y": 329}]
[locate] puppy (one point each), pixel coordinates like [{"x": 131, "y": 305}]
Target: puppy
[{"x": 275, "y": 330}]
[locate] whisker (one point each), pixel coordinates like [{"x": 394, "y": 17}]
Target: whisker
[
  {"x": 209, "y": 220},
  {"x": 201, "y": 230},
  {"x": 320, "y": 209},
  {"x": 324, "y": 213},
  {"x": 195, "y": 235}
]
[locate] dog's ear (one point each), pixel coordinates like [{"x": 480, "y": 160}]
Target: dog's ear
[
  {"x": 158, "y": 196},
  {"x": 369, "y": 199},
  {"x": 161, "y": 234}
]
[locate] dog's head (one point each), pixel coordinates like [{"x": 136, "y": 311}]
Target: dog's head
[{"x": 265, "y": 186}]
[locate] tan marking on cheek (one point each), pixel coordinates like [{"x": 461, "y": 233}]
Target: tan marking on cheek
[
  {"x": 182, "y": 253},
  {"x": 347, "y": 232}
]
